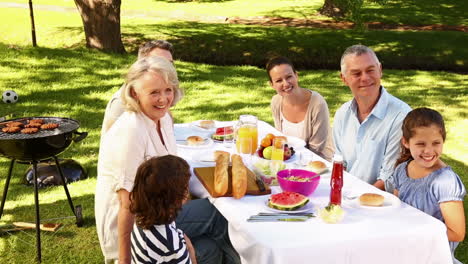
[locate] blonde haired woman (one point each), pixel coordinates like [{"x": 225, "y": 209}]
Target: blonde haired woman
[{"x": 145, "y": 130}]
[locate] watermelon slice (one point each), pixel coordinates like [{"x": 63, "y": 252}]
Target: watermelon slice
[
  {"x": 220, "y": 134},
  {"x": 287, "y": 201}
]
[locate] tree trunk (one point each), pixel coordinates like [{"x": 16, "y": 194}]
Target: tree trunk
[
  {"x": 101, "y": 21},
  {"x": 331, "y": 9}
]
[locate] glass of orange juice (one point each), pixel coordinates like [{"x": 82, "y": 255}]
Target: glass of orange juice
[
  {"x": 247, "y": 128},
  {"x": 277, "y": 151}
]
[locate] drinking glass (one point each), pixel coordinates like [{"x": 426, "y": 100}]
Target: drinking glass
[
  {"x": 227, "y": 142},
  {"x": 277, "y": 153},
  {"x": 244, "y": 148},
  {"x": 305, "y": 157}
]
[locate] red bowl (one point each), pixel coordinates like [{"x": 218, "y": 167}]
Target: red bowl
[{"x": 305, "y": 188}]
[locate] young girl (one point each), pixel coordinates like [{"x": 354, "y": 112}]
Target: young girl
[
  {"x": 161, "y": 188},
  {"x": 422, "y": 180}
]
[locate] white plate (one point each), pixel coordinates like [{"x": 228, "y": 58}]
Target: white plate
[
  {"x": 305, "y": 208},
  {"x": 295, "y": 142},
  {"x": 196, "y": 125},
  {"x": 292, "y": 159},
  {"x": 207, "y": 142},
  {"x": 390, "y": 202}
]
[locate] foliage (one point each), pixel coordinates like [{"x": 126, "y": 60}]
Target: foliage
[{"x": 352, "y": 10}]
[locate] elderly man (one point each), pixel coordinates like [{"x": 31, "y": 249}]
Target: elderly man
[
  {"x": 114, "y": 107},
  {"x": 367, "y": 129}
]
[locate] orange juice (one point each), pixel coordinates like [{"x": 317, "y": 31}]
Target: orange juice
[
  {"x": 247, "y": 131},
  {"x": 277, "y": 152}
]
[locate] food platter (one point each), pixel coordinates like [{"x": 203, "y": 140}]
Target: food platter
[
  {"x": 196, "y": 125},
  {"x": 207, "y": 142},
  {"x": 293, "y": 158},
  {"x": 305, "y": 208},
  {"x": 390, "y": 202}
]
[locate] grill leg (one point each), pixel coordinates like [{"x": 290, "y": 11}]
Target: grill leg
[
  {"x": 5, "y": 189},
  {"x": 64, "y": 185},
  {"x": 38, "y": 221}
]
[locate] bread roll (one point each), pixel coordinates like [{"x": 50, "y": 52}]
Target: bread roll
[
  {"x": 195, "y": 140},
  {"x": 317, "y": 166},
  {"x": 221, "y": 176},
  {"x": 239, "y": 177},
  {"x": 207, "y": 124},
  {"x": 371, "y": 199}
]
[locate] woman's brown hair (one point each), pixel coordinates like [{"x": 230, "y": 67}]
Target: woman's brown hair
[
  {"x": 161, "y": 187},
  {"x": 275, "y": 61},
  {"x": 419, "y": 117}
]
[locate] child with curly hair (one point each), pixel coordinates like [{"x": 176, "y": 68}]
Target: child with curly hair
[{"x": 161, "y": 188}]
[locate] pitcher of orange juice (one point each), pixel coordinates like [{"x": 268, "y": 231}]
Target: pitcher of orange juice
[{"x": 247, "y": 134}]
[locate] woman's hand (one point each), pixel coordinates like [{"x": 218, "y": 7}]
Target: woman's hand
[
  {"x": 191, "y": 249},
  {"x": 124, "y": 226},
  {"x": 454, "y": 217}
]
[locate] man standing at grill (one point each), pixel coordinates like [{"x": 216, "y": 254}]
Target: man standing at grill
[
  {"x": 114, "y": 107},
  {"x": 367, "y": 129}
]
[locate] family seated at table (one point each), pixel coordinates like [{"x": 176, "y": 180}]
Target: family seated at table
[{"x": 367, "y": 132}]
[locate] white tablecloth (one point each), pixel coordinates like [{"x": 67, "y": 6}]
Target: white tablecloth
[{"x": 393, "y": 234}]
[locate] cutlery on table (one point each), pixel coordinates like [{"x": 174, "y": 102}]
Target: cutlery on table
[
  {"x": 286, "y": 214},
  {"x": 271, "y": 217},
  {"x": 277, "y": 220}
]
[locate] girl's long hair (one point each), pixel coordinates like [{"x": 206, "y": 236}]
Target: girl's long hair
[{"x": 419, "y": 117}]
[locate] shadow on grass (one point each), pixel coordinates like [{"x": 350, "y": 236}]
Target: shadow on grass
[
  {"x": 411, "y": 12},
  {"x": 419, "y": 12},
  {"x": 227, "y": 44},
  {"x": 69, "y": 236}
]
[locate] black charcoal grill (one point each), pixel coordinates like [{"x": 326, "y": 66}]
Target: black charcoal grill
[{"x": 34, "y": 148}]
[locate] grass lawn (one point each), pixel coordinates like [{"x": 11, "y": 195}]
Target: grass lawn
[
  {"x": 61, "y": 79},
  {"x": 410, "y": 12}
]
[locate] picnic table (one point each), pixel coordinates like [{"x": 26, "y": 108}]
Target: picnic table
[{"x": 393, "y": 233}]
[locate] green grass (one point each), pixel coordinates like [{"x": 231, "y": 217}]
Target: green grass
[
  {"x": 228, "y": 44},
  {"x": 62, "y": 79},
  {"x": 77, "y": 83},
  {"x": 411, "y": 12}
]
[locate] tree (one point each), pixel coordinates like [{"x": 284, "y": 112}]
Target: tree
[
  {"x": 349, "y": 9},
  {"x": 101, "y": 22},
  {"x": 331, "y": 8}
]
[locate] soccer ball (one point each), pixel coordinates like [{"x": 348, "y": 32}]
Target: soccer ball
[{"x": 9, "y": 97}]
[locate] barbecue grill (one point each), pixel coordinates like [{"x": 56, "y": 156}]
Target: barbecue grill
[{"x": 41, "y": 146}]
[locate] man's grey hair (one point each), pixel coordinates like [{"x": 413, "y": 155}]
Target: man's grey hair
[
  {"x": 357, "y": 50},
  {"x": 149, "y": 46}
]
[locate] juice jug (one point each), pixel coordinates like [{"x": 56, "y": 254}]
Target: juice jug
[{"x": 247, "y": 134}]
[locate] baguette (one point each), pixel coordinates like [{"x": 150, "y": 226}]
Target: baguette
[
  {"x": 239, "y": 177},
  {"x": 221, "y": 176}
]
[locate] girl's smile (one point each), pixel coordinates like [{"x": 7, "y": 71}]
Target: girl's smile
[{"x": 426, "y": 146}]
